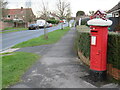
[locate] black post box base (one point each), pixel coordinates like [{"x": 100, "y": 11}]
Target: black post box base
[{"x": 97, "y": 75}]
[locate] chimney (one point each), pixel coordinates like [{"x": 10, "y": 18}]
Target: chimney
[{"x": 21, "y": 8}]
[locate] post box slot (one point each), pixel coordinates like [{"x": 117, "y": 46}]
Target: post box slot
[{"x": 93, "y": 31}]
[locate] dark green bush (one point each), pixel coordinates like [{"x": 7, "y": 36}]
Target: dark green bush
[
  {"x": 53, "y": 21},
  {"x": 10, "y": 21},
  {"x": 117, "y": 28},
  {"x": 113, "y": 52},
  {"x": 84, "y": 21},
  {"x": 84, "y": 43}
]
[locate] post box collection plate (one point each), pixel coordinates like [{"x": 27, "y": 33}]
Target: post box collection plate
[{"x": 93, "y": 40}]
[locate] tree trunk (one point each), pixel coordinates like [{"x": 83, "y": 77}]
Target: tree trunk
[
  {"x": 68, "y": 23},
  {"x": 45, "y": 31},
  {"x": 62, "y": 26}
]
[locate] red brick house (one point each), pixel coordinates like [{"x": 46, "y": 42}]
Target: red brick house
[{"x": 22, "y": 15}]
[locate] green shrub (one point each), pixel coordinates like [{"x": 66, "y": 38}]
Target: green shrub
[
  {"x": 117, "y": 28},
  {"x": 53, "y": 21},
  {"x": 114, "y": 50},
  {"x": 84, "y": 21},
  {"x": 84, "y": 43},
  {"x": 10, "y": 21}
]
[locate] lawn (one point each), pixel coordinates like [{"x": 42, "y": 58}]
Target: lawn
[
  {"x": 14, "y": 66},
  {"x": 13, "y": 29},
  {"x": 53, "y": 37}
]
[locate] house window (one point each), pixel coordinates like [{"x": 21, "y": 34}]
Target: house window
[
  {"x": 8, "y": 16},
  {"x": 117, "y": 15}
]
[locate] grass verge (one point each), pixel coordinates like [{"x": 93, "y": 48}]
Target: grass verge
[
  {"x": 53, "y": 37},
  {"x": 14, "y": 30},
  {"x": 14, "y": 66},
  {"x": 11, "y": 28}
]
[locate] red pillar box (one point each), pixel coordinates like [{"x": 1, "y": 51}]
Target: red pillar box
[{"x": 98, "y": 48}]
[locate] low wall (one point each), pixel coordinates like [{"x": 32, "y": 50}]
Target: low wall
[
  {"x": 114, "y": 72},
  {"x": 5, "y": 24}
]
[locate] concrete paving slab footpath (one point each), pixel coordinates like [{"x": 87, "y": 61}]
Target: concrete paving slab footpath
[{"x": 59, "y": 67}]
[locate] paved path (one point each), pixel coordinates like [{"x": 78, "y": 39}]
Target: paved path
[{"x": 58, "y": 67}]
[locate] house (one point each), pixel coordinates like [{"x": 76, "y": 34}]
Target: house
[
  {"x": 115, "y": 11},
  {"x": 22, "y": 15}
]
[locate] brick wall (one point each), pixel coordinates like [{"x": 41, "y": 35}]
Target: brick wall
[
  {"x": 114, "y": 72},
  {"x": 8, "y": 24},
  {"x": 5, "y": 24}
]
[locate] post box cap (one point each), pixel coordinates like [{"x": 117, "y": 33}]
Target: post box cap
[{"x": 99, "y": 22}]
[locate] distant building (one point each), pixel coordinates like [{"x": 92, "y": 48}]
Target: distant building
[
  {"x": 18, "y": 17},
  {"x": 22, "y": 14},
  {"x": 115, "y": 11}
]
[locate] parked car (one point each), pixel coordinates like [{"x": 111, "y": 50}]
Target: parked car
[
  {"x": 33, "y": 27},
  {"x": 48, "y": 25},
  {"x": 64, "y": 21},
  {"x": 41, "y": 23}
]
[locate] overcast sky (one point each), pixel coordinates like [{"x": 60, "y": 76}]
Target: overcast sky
[{"x": 76, "y": 5}]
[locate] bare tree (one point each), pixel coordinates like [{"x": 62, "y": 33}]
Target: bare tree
[
  {"x": 68, "y": 15},
  {"x": 29, "y": 16},
  {"x": 45, "y": 15},
  {"x": 62, "y": 8},
  {"x": 3, "y": 10},
  {"x": 3, "y": 3},
  {"x": 45, "y": 11}
]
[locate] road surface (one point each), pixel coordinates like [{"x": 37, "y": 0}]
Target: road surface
[{"x": 11, "y": 39}]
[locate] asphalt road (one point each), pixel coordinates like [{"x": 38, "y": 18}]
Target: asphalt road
[{"x": 11, "y": 39}]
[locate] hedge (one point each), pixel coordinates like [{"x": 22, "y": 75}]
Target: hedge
[
  {"x": 113, "y": 51},
  {"x": 84, "y": 43},
  {"x": 53, "y": 21},
  {"x": 84, "y": 21}
]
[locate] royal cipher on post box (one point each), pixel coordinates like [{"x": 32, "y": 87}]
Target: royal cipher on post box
[{"x": 98, "y": 46}]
